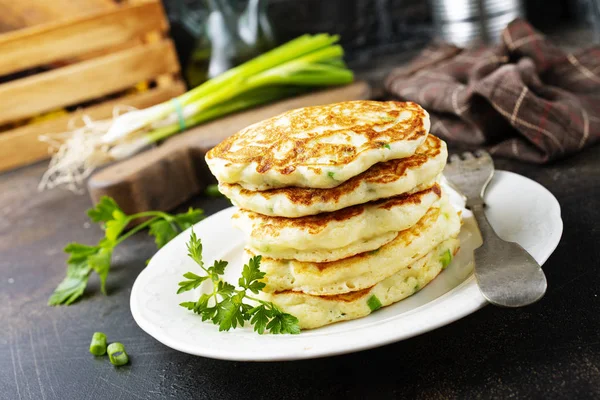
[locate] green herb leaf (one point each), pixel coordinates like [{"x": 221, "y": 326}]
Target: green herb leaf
[
  {"x": 213, "y": 191},
  {"x": 115, "y": 226},
  {"x": 83, "y": 259},
  {"x": 218, "y": 267},
  {"x": 283, "y": 323},
  {"x": 194, "y": 247},
  {"x": 230, "y": 313},
  {"x": 103, "y": 211},
  {"x": 190, "y": 305},
  {"x": 163, "y": 232},
  {"x": 251, "y": 274},
  {"x": 100, "y": 262},
  {"x": 225, "y": 289},
  {"x": 387, "y": 146},
  {"x": 192, "y": 283},
  {"x": 228, "y": 308},
  {"x": 79, "y": 252},
  {"x": 72, "y": 287},
  {"x": 189, "y": 218},
  {"x": 260, "y": 318}
]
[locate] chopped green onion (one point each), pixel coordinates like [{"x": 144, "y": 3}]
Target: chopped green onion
[
  {"x": 213, "y": 191},
  {"x": 446, "y": 259},
  {"x": 387, "y": 146},
  {"x": 331, "y": 174},
  {"x": 98, "y": 345},
  {"x": 117, "y": 354},
  {"x": 374, "y": 303}
]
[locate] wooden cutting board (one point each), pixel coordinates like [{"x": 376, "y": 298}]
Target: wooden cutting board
[{"x": 168, "y": 175}]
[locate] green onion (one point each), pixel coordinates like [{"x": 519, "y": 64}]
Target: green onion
[
  {"x": 305, "y": 63},
  {"x": 98, "y": 345},
  {"x": 446, "y": 259},
  {"x": 117, "y": 354},
  {"x": 213, "y": 191},
  {"x": 374, "y": 303}
]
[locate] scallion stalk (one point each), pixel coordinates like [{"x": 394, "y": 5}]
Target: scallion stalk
[{"x": 306, "y": 62}]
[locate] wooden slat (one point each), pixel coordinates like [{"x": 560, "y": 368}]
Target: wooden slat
[
  {"x": 18, "y": 14},
  {"x": 21, "y": 146},
  {"x": 86, "y": 80},
  {"x": 50, "y": 42}
]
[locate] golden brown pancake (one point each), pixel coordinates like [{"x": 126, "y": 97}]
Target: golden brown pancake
[
  {"x": 365, "y": 269},
  {"x": 335, "y": 235},
  {"x": 314, "y": 311},
  {"x": 382, "y": 180},
  {"x": 320, "y": 146}
]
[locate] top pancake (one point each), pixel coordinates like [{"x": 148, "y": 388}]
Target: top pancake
[{"x": 320, "y": 146}]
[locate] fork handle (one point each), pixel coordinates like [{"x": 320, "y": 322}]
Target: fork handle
[{"x": 487, "y": 232}]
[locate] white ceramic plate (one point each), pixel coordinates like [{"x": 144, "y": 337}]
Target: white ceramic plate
[{"x": 519, "y": 209}]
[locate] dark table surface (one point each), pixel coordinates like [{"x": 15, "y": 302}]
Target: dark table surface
[{"x": 548, "y": 350}]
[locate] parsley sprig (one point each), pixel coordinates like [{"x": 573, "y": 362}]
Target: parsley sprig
[
  {"x": 225, "y": 305},
  {"x": 83, "y": 259}
]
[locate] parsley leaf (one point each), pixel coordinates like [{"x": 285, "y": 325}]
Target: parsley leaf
[
  {"x": 163, "y": 232},
  {"x": 115, "y": 226},
  {"x": 225, "y": 306},
  {"x": 103, "y": 211},
  {"x": 194, "y": 247},
  {"x": 251, "y": 275},
  {"x": 260, "y": 317},
  {"x": 72, "y": 287},
  {"x": 192, "y": 283},
  {"x": 84, "y": 259},
  {"x": 283, "y": 323},
  {"x": 213, "y": 191},
  {"x": 189, "y": 218},
  {"x": 230, "y": 312},
  {"x": 218, "y": 267},
  {"x": 100, "y": 262}
]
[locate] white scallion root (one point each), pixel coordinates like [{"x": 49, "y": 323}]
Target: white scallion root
[{"x": 78, "y": 152}]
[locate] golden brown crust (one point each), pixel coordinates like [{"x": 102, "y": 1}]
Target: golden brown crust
[
  {"x": 380, "y": 173},
  {"x": 313, "y": 224},
  {"x": 405, "y": 237},
  {"x": 345, "y": 297},
  {"x": 303, "y": 136}
]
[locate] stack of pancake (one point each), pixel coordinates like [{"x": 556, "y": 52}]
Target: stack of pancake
[{"x": 343, "y": 203}]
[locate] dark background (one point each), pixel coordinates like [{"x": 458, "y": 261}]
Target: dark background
[{"x": 368, "y": 28}]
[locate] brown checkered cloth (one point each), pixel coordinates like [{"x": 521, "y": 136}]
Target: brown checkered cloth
[{"x": 524, "y": 98}]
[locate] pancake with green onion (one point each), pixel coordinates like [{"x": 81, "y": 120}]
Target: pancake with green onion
[
  {"x": 383, "y": 180},
  {"x": 316, "y": 311},
  {"x": 366, "y": 269},
  {"x": 320, "y": 146},
  {"x": 339, "y": 234}
]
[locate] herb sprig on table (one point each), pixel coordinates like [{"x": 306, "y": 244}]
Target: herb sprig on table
[
  {"x": 83, "y": 259},
  {"x": 225, "y": 305}
]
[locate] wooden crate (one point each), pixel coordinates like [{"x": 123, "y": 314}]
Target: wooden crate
[{"x": 89, "y": 64}]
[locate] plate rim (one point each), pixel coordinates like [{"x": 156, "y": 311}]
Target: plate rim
[{"x": 466, "y": 288}]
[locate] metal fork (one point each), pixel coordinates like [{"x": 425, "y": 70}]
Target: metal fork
[{"x": 506, "y": 273}]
